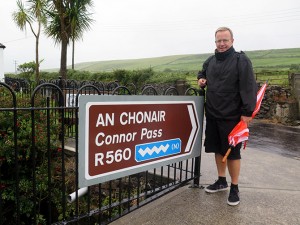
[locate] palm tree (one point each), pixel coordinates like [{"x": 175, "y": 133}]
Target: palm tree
[
  {"x": 67, "y": 21},
  {"x": 59, "y": 29},
  {"x": 80, "y": 21},
  {"x": 33, "y": 14}
]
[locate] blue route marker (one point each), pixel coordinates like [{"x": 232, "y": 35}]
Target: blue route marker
[{"x": 155, "y": 150}]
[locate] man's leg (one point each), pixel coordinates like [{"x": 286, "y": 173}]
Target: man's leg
[
  {"x": 221, "y": 183},
  {"x": 234, "y": 167},
  {"x": 221, "y": 167}
]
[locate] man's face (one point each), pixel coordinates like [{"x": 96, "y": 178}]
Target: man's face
[{"x": 223, "y": 41}]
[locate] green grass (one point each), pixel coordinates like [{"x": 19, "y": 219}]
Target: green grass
[
  {"x": 273, "y": 65},
  {"x": 273, "y": 59}
]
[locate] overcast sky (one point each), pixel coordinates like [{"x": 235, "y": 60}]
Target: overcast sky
[{"x": 131, "y": 29}]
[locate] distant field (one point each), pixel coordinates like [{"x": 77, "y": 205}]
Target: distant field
[{"x": 273, "y": 59}]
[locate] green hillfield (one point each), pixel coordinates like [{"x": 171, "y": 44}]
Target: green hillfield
[{"x": 273, "y": 59}]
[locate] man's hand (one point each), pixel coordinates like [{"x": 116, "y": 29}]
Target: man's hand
[
  {"x": 246, "y": 119},
  {"x": 202, "y": 82}
]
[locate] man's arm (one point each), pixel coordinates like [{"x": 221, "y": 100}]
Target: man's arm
[
  {"x": 247, "y": 86},
  {"x": 202, "y": 74}
]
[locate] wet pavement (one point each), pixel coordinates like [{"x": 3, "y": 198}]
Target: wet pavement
[
  {"x": 275, "y": 138},
  {"x": 269, "y": 187}
]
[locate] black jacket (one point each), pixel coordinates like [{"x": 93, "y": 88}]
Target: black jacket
[{"x": 231, "y": 86}]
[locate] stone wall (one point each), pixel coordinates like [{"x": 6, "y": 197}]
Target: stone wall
[
  {"x": 295, "y": 84},
  {"x": 279, "y": 105}
]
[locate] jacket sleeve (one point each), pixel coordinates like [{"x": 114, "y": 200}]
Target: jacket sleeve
[
  {"x": 247, "y": 85},
  {"x": 202, "y": 73}
]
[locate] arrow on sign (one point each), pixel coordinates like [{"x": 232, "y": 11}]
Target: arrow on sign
[{"x": 194, "y": 128}]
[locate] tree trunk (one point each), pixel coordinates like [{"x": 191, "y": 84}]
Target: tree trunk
[
  {"x": 61, "y": 9},
  {"x": 64, "y": 44},
  {"x": 63, "y": 59},
  {"x": 73, "y": 53},
  {"x": 37, "y": 64}
]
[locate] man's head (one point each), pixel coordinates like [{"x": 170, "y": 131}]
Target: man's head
[{"x": 223, "y": 39}]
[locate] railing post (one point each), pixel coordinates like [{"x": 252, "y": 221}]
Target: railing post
[{"x": 197, "y": 174}]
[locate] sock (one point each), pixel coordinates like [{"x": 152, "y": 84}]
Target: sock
[
  {"x": 234, "y": 186},
  {"x": 222, "y": 180}
]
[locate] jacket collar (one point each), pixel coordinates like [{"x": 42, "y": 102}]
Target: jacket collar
[{"x": 223, "y": 55}]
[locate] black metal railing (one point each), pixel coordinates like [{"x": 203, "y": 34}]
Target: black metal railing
[{"x": 39, "y": 159}]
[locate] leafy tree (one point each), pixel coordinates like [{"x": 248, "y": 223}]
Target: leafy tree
[
  {"x": 62, "y": 28},
  {"x": 28, "y": 68},
  {"x": 34, "y": 13}
]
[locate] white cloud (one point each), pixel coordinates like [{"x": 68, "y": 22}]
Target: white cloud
[{"x": 143, "y": 28}]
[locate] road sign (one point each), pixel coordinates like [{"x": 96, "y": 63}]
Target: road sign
[{"x": 122, "y": 135}]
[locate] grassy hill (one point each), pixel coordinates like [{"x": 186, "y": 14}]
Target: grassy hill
[{"x": 273, "y": 59}]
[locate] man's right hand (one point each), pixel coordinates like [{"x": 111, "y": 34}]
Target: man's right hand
[{"x": 202, "y": 82}]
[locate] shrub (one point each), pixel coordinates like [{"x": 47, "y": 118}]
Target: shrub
[{"x": 18, "y": 162}]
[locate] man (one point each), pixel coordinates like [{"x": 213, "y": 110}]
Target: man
[{"x": 230, "y": 97}]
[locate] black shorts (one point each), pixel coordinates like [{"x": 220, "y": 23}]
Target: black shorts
[{"x": 216, "y": 138}]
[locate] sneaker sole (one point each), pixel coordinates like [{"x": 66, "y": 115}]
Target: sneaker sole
[
  {"x": 232, "y": 203},
  {"x": 214, "y": 191}
]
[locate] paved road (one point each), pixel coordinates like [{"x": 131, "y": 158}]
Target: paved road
[
  {"x": 275, "y": 138},
  {"x": 269, "y": 185}
]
